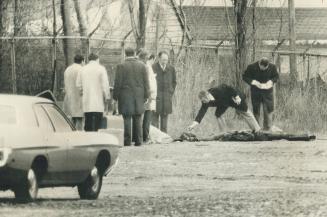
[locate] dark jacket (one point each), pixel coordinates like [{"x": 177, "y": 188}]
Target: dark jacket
[
  {"x": 166, "y": 84},
  {"x": 131, "y": 87},
  {"x": 223, "y": 95},
  {"x": 253, "y": 72}
]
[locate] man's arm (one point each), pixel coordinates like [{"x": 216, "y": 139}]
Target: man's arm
[
  {"x": 117, "y": 84},
  {"x": 247, "y": 75},
  {"x": 79, "y": 83},
  {"x": 275, "y": 75},
  {"x": 146, "y": 82},
  {"x": 105, "y": 84},
  {"x": 174, "y": 79},
  {"x": 203, "y": 110}
]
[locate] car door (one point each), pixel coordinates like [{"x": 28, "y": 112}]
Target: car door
[
  {"x": 78, "y": 157},
  {"x": 56, "y": 148}
]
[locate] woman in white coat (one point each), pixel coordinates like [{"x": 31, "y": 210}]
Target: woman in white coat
[{"x": 150, "y": 104}]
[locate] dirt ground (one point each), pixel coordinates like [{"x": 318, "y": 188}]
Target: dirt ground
[{"x": 199, "y": 179}]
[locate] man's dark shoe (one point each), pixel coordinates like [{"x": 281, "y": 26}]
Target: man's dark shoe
[
  {"x": 127, "y": 144},
  {"x": 138, "y": 144}
]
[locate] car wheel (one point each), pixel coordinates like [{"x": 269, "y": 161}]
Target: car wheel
[
  {"x": 91, "y": 187},
  {"x": 28, "y": 190}
]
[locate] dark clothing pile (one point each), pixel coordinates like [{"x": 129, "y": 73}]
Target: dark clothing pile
[
  {"x": 248, "y": 136},
  {"x": 223, "y": 95}
]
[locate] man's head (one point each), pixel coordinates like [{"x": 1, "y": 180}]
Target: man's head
[
  {"x": 143, "y": 55},
  {"x": 204, "y": 96},
  {"x": 163, "y": 58},
  {"x": 129, "y": 52},
  {"x": 78, "y": 59},
  {"x": 263, "y": 63},
  {"x": 93, "y": 57}
]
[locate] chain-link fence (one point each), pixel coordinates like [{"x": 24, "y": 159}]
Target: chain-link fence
[{"x": 31, "y": 65}]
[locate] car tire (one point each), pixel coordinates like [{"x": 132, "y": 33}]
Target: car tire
[
  {"x": 91, "y": 187},
  {"x": 28, "y": 190}
]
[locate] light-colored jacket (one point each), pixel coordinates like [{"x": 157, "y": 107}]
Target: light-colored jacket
[
  {"x": 93, "y": 82},
  {"x": 73, "y": 99},
  {"x": 151, "y": 104}
]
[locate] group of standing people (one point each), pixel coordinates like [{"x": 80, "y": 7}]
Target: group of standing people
[
  {"x": 86, "y": 92},
  {"x": 143, "y": 90}
]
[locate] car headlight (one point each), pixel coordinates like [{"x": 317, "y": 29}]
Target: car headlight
[{"x": 4, "y": 155}]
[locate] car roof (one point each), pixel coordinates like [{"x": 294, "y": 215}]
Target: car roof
[{"x": 21, "y": 100}]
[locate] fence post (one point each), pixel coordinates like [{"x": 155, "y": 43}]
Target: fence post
[
  {"x": 13, "y": 67},
  {"x": 122, "y": 51},
  {"x": 88, "y": 48},
  {"x": 54, "y": 66}
]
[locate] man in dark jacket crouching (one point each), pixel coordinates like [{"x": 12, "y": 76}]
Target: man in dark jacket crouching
[{"x": 223, "y": 97}]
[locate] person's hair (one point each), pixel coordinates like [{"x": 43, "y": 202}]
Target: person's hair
[
  {"x": 264, "y": 62},
  {"x": 129, "y": 52},
  {"x": 143, "y": 54},
  {"x": 151, "y": 57},
  {"x": 93, "y": 56},
  {"x": 163, "y": 52},
  {"x": 203, "y": 94},
  {"x": 78, "y": 59}
]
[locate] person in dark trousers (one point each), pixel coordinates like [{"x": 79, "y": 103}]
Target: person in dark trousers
[
  {"x": 150, "y": 105},
  {"x": 93, "y": 83},
  {"x": 222, "y": 97},
  {"x": 131, "y": 90},
  {"x": 166, "y": 84},
  {"x": 261, "y": 76}
]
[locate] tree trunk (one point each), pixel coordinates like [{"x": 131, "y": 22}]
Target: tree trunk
[
  {"x": 292, "y": 38},
  {"x": 140, "y": 41},
  {"x": 68, "y": 44},
  {"x": 2, "y": 31},
  {"x": 240, "y": 7},
  {"x": 82, "y": 26}
]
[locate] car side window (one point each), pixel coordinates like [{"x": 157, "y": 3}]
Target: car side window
[
  {"x": 43, "y": 119},
  {"x": 59, "y": 121}
]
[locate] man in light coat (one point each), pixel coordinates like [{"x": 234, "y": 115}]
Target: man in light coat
[
  {"x": 150, "y": 105},
  {"x": 131, "y": 90},
  {"x": 73, "y": 99},
  {"x": 166, "y": 84},
  {"x": 93, "y": 83}
]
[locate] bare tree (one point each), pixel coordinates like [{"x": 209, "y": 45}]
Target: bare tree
[
  {"x": 68, "y": 44},
  {"x": 240, "y": 7},
  {"x": 82, "y": 25},
  {"x": 2, "y": 33},
  {"x": 139, "y": 22}
]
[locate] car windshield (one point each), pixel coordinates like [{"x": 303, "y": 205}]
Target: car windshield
[{"x": 7, "y": 114}]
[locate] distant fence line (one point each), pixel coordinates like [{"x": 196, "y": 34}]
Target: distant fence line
[{"x": 117, "y": 55}]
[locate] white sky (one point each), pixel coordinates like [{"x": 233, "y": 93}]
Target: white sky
[{"x": 267, "y": 3}]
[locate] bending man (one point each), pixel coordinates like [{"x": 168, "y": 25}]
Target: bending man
[{"x": 223, "y": 97}]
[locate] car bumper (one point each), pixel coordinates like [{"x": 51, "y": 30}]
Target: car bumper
[{"x": 10, "y": 177}]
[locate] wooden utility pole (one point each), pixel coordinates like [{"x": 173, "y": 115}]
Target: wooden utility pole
[
  {"x": 157, "y": 28},
  {"x": 254, "y": 29},
  {"x": 292, "y": 38}
]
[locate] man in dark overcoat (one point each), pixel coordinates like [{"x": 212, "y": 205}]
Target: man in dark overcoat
[
  {"x": 261, "y": 76},
  {"x": 131, "y": 90},
  {"x": 166, "y": 84}
]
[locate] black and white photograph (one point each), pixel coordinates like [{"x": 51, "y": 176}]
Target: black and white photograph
[{"x": 163, "y": 108}]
